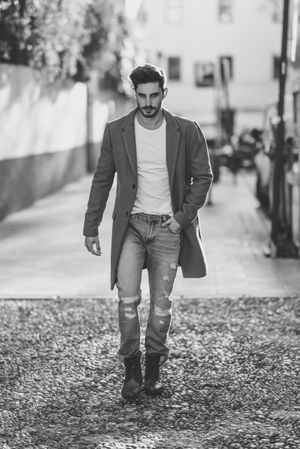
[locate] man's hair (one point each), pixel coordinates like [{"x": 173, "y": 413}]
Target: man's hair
[{"x": 148, "y": 73}]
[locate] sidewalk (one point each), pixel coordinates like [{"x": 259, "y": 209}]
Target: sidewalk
[{"x": 42, "y": 253}]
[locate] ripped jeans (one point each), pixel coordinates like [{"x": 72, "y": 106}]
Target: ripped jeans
[{"x": 148, "y": 244}]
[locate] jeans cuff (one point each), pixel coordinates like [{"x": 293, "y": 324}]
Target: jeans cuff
[{"x": 123, "y": 357}]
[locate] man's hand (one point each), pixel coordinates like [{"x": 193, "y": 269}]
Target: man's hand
[
  {"x": 173, "y": 225},
  {"x": 92, "y": 244}
]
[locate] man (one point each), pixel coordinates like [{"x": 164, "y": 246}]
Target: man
[{"x": 163, "y": 176}]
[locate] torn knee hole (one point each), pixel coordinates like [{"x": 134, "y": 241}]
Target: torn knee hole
[
  {"x": 129, "y": 299},
  {"x": 128, "y": 309},
  {"x": 161, "y": 312},
  {"x": 130, "y": 315},
  {"x": 129, "y": 312}
]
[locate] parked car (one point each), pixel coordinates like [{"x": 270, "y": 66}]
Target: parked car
[
  {"x": 264, "y": 158},
  {"x": 287, "y": 214}
]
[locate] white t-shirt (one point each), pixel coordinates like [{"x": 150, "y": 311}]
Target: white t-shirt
[{"x": 153, "y": 190}]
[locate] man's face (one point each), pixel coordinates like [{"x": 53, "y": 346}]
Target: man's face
[{"x": 149, "y": 97}]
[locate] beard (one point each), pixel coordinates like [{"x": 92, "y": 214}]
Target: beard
[{"x": 149, "y": 112}]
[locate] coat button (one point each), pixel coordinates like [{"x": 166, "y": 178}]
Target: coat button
[
  {"x": 133, "y": 186},
  {"x": 127, "y": 213}
]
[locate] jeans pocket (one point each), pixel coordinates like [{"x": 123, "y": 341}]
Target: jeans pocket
[
  {"x": 174, "y": 233},
  {"x": 136, "y": 218}
]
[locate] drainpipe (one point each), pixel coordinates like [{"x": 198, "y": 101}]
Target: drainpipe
[{"x": 282, "y": 244}]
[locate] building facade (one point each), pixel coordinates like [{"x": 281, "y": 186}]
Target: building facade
[{"x": 218, "y": 54}]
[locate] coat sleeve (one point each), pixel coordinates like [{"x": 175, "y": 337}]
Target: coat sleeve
[
  {"x": 199, "y": 173},
  {"x": 101, "y": 185}
]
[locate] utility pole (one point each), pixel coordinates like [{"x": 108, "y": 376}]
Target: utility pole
[
  {"x": 282, "y": 244},
  {"x": 226, "y": 112}
]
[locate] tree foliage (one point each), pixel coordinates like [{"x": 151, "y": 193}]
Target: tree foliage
[{"x": 64, "y": 38}]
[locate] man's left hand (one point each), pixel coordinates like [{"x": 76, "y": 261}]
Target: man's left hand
[{"x": 173, "y": 225}]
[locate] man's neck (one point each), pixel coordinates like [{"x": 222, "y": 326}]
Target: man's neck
[{"x": 151, "y": 122}]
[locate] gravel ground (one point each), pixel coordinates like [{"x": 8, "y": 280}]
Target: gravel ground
[{"x": 232, "y": 380}]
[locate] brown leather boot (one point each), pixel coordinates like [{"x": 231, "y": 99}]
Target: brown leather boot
[
  {"x": 133, "y": 378},
  {"x": 152, "y": 384}
]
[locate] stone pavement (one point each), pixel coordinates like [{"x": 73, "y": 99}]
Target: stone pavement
[{"x": 42, "y": 253}]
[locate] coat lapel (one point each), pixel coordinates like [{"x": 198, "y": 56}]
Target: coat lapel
[
  {"x": 129, "y": 140},
  {"x": 172, "y": 145},
  {"x": 172, "y": 142}
]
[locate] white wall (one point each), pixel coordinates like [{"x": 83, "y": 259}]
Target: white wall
[
  {"x": 45, "y": 139},
  {"x": 37, "y": 119}
]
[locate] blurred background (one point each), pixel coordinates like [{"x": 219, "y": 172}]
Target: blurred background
[{"x": 232, "y": 66}]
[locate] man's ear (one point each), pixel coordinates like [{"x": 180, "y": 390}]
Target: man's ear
[{"x": 165, "y": 92}]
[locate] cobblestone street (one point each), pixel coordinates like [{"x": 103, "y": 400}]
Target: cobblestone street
[{"x": 231, "y": 381}]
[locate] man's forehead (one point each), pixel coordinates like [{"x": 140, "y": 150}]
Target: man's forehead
[{"x": 148, "y": 87}]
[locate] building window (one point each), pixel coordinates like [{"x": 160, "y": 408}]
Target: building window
[
  {"x": 276, "y": 67},
  {"x": 204, "y": 74},
  {"x": 173, "y": 11},
  {"x": 226, "y": 68},
  {"x": 225, "y": 11},
  {"x": 174, "y": 69}
]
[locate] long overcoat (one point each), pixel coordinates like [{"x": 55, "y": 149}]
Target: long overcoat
[{"x": 190, "y": 177}]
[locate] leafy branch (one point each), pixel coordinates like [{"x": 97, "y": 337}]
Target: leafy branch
[{"x": 64, "y": 38}]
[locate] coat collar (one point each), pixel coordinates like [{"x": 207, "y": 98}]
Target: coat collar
[
  {"x": 129, "y": 139},
  {"x": 172, "y": 141}
]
